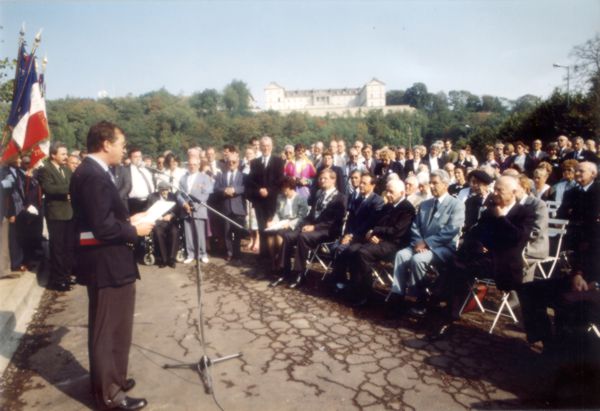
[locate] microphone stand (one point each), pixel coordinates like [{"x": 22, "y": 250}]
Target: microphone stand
[{"x": 202, "y": 366}]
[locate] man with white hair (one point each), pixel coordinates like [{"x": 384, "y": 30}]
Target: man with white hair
[
  {"x": 580, "y": 153},
  {"x": 317, "y": 154},
  {"x": 263, "y": 185},
  {"x": 434, "y": 234},
  {"x": 391, "y": 232},
  {"x": 492, "y": 248}
]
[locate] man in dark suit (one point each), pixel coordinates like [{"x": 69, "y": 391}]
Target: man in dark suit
[
  {"x": 55, "y": 178},
  {"x": 166, "y": 230},
  {"x": 229, "y": 190},
  {"x": 579, "y": 153},
  {"x": 122, "y": 177},
  {"x": 492, "y": 248},
  {"x": 324, "y": 223},
  {"x": 573, "y": 297},
  {"x": 264, "y": 182},
  {"x": 387, "y": 232},
  {"x": 105, "y": 263},
  {"x": 339, "y": 176},
  {"x": 369, "y": 162},
  {"x": 525, "y": 163}
]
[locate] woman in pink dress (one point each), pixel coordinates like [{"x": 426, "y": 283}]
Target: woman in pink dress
[{"x": 301, "y": 169}]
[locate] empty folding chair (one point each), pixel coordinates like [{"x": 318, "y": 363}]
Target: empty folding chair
[{"x": 557, "y": 229}]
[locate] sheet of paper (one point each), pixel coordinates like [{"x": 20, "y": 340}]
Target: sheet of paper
[
  {"x": 155, "y": 212},
  {"x": 278, "y": 225}
]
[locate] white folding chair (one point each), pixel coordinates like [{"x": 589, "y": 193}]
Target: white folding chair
[
  {"x": 504, "y": 303},
  {"x": 552, "y": 207},
  {"x": 323, "y": 254},
  {"x": 557, "y": 229}
]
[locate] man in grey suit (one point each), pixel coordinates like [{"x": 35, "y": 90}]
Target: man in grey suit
[
  {"x": 198, "y": 185},
  {"x": 434, "y": 235},
  {"x": 229, "y": 190}
]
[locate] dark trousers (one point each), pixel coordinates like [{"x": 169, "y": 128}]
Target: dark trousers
[
  {"x": 136, "y": 205},
  {"x": 110, "y": 329},
  {"x": 233, "y": 235},
  {"x": 264, "y": 212},
  {"x": 62, "y": 249},
  {"x": 16, "y": 243},
  {"x": 304, "y": 242},
  {"x": 167, "y": 239},
  {"x": 358, "y": 258}
]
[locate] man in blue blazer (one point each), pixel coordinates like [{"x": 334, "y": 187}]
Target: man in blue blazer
[
  {"x": 199, "y": 185},
  {"x": 105, "y": 263},
  {"x": 434, "y": 235},
  {"x": 229, "y": 190}
]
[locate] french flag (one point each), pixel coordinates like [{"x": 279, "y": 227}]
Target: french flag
[{"x": 27, "y": 119}]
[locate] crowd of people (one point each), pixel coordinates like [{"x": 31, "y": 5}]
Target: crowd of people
[{"x": 420, "y": 209}]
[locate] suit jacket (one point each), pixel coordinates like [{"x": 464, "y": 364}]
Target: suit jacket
[
  {"x": 538, "y": 245},
  {"x": 474, "y": 205},
  {"x": 441, "y": 234},
  {"x": 410, "y": 166},
  {"x": 362, "y": 215},
  {"x": 463, "y": 163},
  {"x": 122, "y": 177},
  {"x": 270, "y": 178},
  {"x": 340, "y": 182},
  {"x": 394, "y": 223},
  {"x": 505, "y": 238},
  {"x": 370, "y": 167},
  {"x": 231, "y": 205},
  {"x": 584, "y": 155},
  {"x": 530, "y": 163},
  {"x": 299, "y": 210},
  {"x": 97, "y": 208},
  {"x": 331, "y": 217},
  {"x": 440, "y": 161},
  {"x": 202, "y": 187},
  {"x": 14, "y": 202},
  {"x": 56, "y": 190}
]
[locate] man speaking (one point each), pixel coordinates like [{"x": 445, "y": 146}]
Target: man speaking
[{"x": 105, "y": 263}]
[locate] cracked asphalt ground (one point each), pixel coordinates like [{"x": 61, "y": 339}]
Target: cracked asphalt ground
[{"x": 301, "y": 350}]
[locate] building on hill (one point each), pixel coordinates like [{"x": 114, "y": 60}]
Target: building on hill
[{"x": 346, "y": 101}]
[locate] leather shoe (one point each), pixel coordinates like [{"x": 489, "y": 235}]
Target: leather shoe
[
  {"x": 440, "y": 333},
  {"x": 298, "y": 282},
  {"x": 129, "y": 384},
  {"x": 277, "y": 282},
  {"x": 172, "y": 264},
  {"x": 130, "y": 404}
]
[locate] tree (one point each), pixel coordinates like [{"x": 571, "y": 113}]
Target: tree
[
  {"x": 587, "y": 61},
  {"x": 206, "y": 102},
  {"x": 394, "y": 98},
  {"x": 417, "y": 96},
  {"x": 236, "y": 97}
]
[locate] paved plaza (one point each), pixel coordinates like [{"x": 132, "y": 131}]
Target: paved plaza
[{"x": 302, "y": 350}]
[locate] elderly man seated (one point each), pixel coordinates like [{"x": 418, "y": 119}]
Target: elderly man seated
[
  {"x": 575, "y": 298},
  {"x": 323, "y": 223},
  {"x": 390, "y": 233},
  {"x": 492, "y": 248},
  {"x": 434, "y": 235}
]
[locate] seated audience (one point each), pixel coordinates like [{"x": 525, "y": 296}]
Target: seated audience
[
  {"x": 166, "y": 230},
  {"x": 434, "y": 235},
  {"x": 291, "y": 209},
  {"x": 323, "y": 223}
]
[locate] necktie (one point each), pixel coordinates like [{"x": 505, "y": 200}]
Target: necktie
[
  {"x": 112, "y": 177},
  {"x": 433, "y": 211},
  {"x": 62, "y": 173},
  {"x": 145, "y": 180}
]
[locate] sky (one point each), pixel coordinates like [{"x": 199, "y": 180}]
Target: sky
[{"x": 503, "y": 48}]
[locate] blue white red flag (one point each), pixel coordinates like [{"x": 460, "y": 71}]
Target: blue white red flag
[{"x": 27, "y": 120}]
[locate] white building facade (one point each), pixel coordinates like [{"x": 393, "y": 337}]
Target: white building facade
[{"x": 349, "y": 101}]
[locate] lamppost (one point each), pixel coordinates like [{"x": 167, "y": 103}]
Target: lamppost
[{"x": 568, "y": 79}]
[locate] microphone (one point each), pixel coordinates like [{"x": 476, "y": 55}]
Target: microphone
[{"x": 154, "y": 170}]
